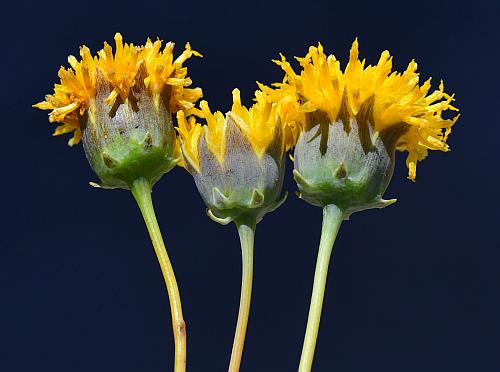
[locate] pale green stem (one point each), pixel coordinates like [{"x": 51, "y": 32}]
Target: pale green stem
[
  {"x": 332, "y": 218},
  {"x": 141, "y": 189},
  {"x": 246, "y": 231}
]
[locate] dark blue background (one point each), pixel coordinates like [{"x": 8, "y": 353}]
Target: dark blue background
[{"x": 413, "y": 287}]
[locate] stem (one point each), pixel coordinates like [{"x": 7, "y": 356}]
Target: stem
[
  {"x": 332, "y": 218},
  {"x": 141, "y": 189},
  {"x": 246, "y": 231}
]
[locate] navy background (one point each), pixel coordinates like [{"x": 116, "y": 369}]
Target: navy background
[{"x": 413, "y": 287}]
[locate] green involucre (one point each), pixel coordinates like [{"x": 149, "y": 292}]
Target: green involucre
[
  {"x": 244, "y": 185},
  {"x": 344, "y": 163},
  {"x": 129, "y": 140}
]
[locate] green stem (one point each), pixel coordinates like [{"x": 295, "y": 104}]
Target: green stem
[
  {"x": 141, "y": 189},
  {"x": 332, "y": 218},
  {"x": 246, "y": 231}
]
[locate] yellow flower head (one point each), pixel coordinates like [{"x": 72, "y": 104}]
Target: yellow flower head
[
  {"x": 237, "y": 159},
  {"x": 392, "y": 97},
  {"x": 79, "y": 84},
  {"x": 259, "y": 124}
]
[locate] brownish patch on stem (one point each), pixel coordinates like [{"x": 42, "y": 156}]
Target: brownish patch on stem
[{"x": 181, "y": 326}]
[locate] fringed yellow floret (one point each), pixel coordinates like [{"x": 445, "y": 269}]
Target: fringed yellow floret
[
  {"x": 190, "y": 132},
  {"x": 214, "y": 132},
  {"x": 396, "y": 98},
  {"x": 121, "y": 69},
  {"x": 258, "y": 124},
  {"x": 163, "y": 70},
  {"x": 288, "y": 109},
  {"x": 78, "y": 84}
]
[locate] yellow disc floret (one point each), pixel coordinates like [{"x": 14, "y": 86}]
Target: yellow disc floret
[
  {"x": 288, "y": 109},
  {"x": 258, "y": 123},
  {"x": 78, "y": 84},
  {"x": 121, "y": 69},
  {"x": 163, "y": 70},
  {"x": 395, "y": 98},
  {"x": 72, "y": 96},
  {"x": 214, "y": 131},
  {"x": 190, "y": 132}
]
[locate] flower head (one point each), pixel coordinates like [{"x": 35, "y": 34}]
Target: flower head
[
  {"x": 350, "y": 122},
  {"x": 388, "y": 99},
  {"x": 120, "y": 102},
  {"x": 237, "y": 159}
]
